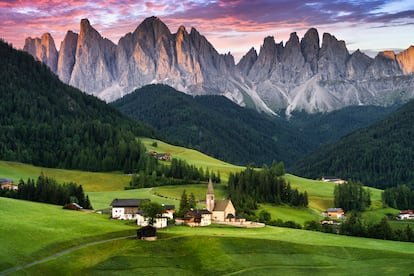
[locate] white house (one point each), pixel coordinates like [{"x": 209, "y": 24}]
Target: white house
[
  {"x": 160, "y": 222},
  {"x": 126, "y": 209},
  {"x": 406, "y": 214}
]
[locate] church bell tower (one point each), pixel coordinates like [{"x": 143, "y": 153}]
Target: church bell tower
[{"x": 210, "y": 196}]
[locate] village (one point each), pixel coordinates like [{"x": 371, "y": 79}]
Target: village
[{"x": 215, "y": 211}]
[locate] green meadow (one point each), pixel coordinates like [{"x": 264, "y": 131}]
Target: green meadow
[
  {"x": 32, "y": 231},
  {"x": 36, "y": 231},
  {"x": 90, "y": 181}
]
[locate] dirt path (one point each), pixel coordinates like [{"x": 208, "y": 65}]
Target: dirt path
[{"x": 56, "y": 255}]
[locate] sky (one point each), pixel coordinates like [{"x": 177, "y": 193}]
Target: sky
[{"x": 230, "y": 25}]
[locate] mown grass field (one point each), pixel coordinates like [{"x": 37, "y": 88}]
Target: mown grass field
[
  {"x": 219, "y": 250},
  {"x": 90, "y": 181},
  {"x": 30, "y": 231}
]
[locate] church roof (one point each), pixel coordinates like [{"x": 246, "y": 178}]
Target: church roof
[
  {"x": 220, "y": 205},
  {"x": 210, "y": 189}
]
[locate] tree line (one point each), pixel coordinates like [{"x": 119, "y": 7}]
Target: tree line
[
  {"x": 48, "y": 190},
  {"x": 352, "y": 196},
  {"x": 400, "y": 197},
  {"x": 354, "y": 225},
  {"x": 152, "y": 174},
  {"x": 251, "y": 186}
]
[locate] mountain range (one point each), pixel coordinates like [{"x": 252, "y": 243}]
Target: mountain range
[
  {"x": 304, "y": 75},
  {"x": 217, "y": 126}
]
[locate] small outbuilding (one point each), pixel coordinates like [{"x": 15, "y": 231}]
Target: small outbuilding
[{"x": 148, "y": 233}]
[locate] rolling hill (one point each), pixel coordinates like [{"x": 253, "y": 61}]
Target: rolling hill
[{"x": 182, "y": 250}]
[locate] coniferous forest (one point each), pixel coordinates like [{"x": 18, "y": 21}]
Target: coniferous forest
[
  {"x": 48, "y": 190},
  {"x": 47, "y": 123},
  {"x": 380, "y": 156},
  {"x": 250, "y": 187}
]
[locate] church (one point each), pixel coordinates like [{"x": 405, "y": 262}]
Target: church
[{"x": 221, "y": 210}]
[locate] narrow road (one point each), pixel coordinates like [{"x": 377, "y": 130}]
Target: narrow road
[{"x": 56, "y": 255}]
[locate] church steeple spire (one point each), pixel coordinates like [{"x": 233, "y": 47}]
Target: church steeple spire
[{"x": 210, "y": 196}]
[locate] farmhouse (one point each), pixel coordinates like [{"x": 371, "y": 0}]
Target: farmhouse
[
  {"x": 222, "y": 210},
  {"x": 332, "y": 179},
  {"x": 169, "y": 211},
  {"x": 7, "y": 184},
  {"x": 197, "y": 218},
  {"x": 334, "y": 213},
  {"x": 126, "y": 208},
  {"x": 143, "y": 220},
  {"x": 406, "y": 214},
  {"x": 160, "y": 156}
]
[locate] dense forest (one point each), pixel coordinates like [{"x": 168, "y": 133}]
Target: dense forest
[
  {"x": 352, "y": 197},
  {"x": 251, "y": 186},
  {"x": 47, "y": 123},
  {"x": 381, "y": 155},
  {"x": 48, "y": 190},
  {"x": 177, "y": 172},
  {"x": 400, "y": 197},
  {"x": 221, "y": 128}
]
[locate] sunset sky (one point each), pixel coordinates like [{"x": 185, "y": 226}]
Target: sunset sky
[{"x": 233, "y": 25}]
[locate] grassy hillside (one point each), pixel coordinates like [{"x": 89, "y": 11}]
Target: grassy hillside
[
  {"x": 32, "y": 230},
  {"x": 193, "y": 157},
  {"x": 39, "y": 230},
  {"x": 91, "y": 181}
]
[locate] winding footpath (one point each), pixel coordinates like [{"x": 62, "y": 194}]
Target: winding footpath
[{"x": 56, "y": 255}]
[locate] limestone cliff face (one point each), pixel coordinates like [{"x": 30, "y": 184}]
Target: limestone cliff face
[
  {"x": 94, "y": 68},
  {"x": 43, "y": 49},
  {"x": 406, "y": 60},
  {"x": 300, "y": 74},
  {"x": 67, "y": 56}
]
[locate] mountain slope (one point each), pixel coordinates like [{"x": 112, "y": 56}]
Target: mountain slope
[
  {"x": 213, "y": 125},
  {"x": 217, "y": 126},
  {"x": 299, "y": 75},
  {"x": 45, "y": 122},
  {"x": 381, "y": 155}
]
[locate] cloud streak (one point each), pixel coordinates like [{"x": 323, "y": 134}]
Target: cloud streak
[{"x": 242, "y": 23}]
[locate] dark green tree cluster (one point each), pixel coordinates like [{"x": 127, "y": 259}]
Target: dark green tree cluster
[
  {"x": 354, "y": 225},
  {"x": 186, "y": 203},
  {"x": 48, "y": 190},
  {"x": 154, "y": 174},
  {"x": 152, "y": 210},
  {"x": 252, "y": 186},
  {"x": 47, "y": 123},
  {"x": 400, "y": 197},
  {"x": 380, "y": 156},
  {"x": 352, "y": 196}
]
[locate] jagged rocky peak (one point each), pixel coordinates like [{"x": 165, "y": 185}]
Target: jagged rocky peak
[
  {"x": 152, "y": 28},
  {"x": 247, "y": 61},
  {"x": 94, "y": 68},
  {"x": 43, "y": 49},
  {"x": 406, "y": 60},
  {"x": 310, "y": 48},
  {"x": 332, "y": 58},
  {"x": 384, "y": 65},
  {"x": 357, "y": 65},
  {"x": 292, "y": 52},
  {"x": 67, "y": 53}
]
